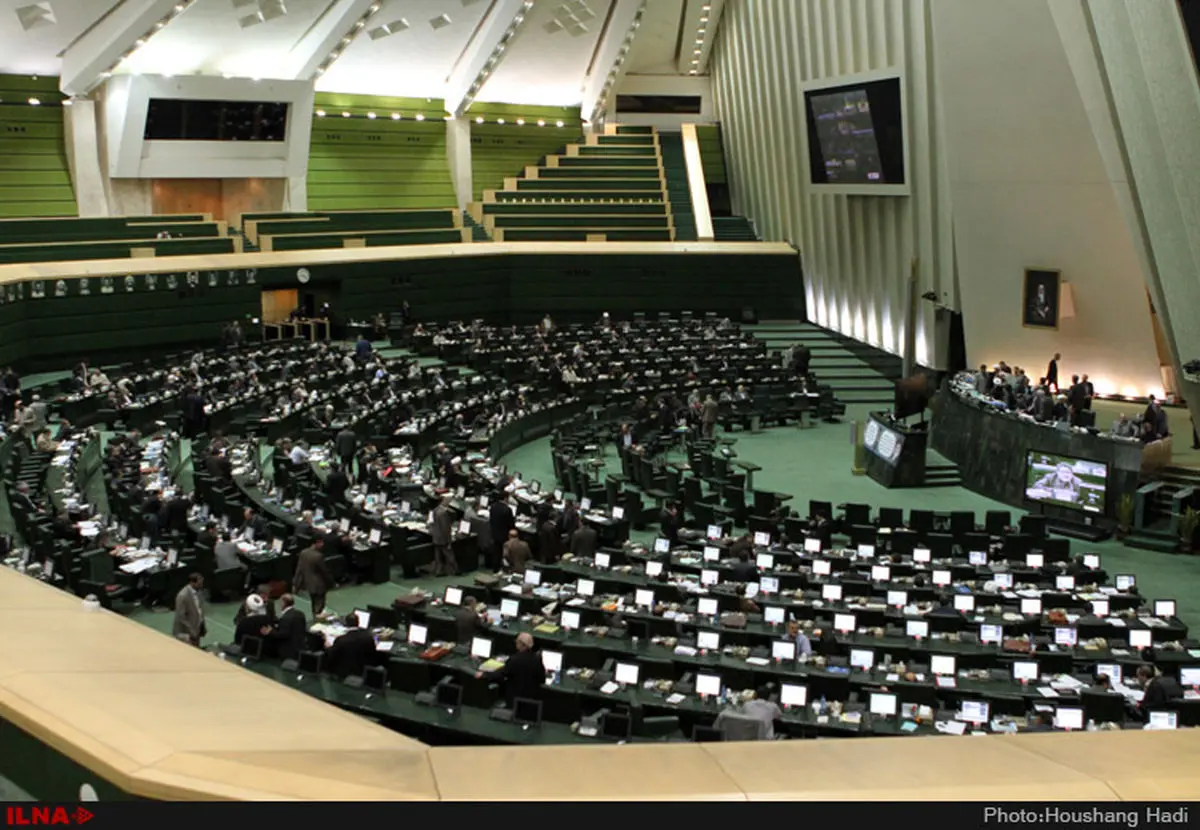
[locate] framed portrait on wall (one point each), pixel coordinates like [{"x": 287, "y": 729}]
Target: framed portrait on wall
[{"x": 1041, "y": 298}]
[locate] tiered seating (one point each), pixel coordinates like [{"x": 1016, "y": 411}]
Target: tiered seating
[
  {"x": 50, "y": 240},
  {"x": 609, "y": 189},
  {"x": 353, "y": 229}
]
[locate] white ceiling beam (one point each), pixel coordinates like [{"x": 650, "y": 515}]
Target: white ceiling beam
[
  {"x": 611, "y": 59},
  {"x": 700, "y": 21},
  {"x": 485, "y": 52},
  {"x": 87, "y": 61},
  {"x": 341, "y": 22}
]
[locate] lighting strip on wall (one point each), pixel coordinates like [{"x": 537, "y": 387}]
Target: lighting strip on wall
[
  {"x": 614, "y": 72},
  {"x": 494, "y": 59},
  {"x": 701, "y": 36},
  {"x": 343, "y": 44},
  {"x": 176, "y": 10}
]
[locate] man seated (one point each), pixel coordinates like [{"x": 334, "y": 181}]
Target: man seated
[
  {"x": 1160, "y": 690},
  {"x": 757, "y": 708},
  {"x": 351, "y": 653},
  {"x": 1124, "y": 428}
]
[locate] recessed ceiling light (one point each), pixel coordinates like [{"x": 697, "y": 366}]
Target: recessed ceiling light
[
  {"x": 370, "y": 115},
  {"x": 441, "y": 21},
  {"x": 395, "y": 116},
  {"x": 345, "y": 115},
  {"x": 420, "y": 116},
  {"x": 479, "y": 120},
  {"x": 499, "y": 120},
  {"x": 541, "y": 123},
  {"x": 559, "y": 124},
  {"x": 520, "y": 122},
  {"x": 320, "y": 113}
]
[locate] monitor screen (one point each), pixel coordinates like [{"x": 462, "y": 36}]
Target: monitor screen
[
  {"x": 1031, "y": 605},
  {"x": 1189, "y": 676},
  {"x": 417, "y": 634},
  {"x": 822, "y": 567},
  {"x": 866, "y": 551},
  {"x": 362, "y": 618},
  {"x": 1164, "y": 720},
  {"x": 644, "y": 598},
  {"x": 791, "y": 694},
  {"x": 923, "y": 555},
  {"x": 765, "y": 561},
  {"x": 1064, "y": 636},
  {"x": 1002, "y": 580},
  {"x": 881, "y": 573},
  {"x": 856, "y": 134},
  {"x": 1140, "y": 638},
  {"x": 713, "y": 533},
  {"x": 712, "y": 554},
  {"x": 862, "y": 658},
  {"x": 991, "y": 634},
  {"x": 812, "y": 545},
  {"x": 1063, "y": 481},
  {"x": 626, "y": 674},
  {"x": 1064, "y": 582},
  {"x": 708, "y": 684},
  {"x": 602, "y": 560},
  {"x": 481, "y": 647},
  {"x": 584, "y": 505},
  {"x": 783, "y": 650},
  {"x": 533, "y": 577},
  {"x": 1035, "y": 560},
  {"x": 1068, "y": 717},
  {"x": 773, "y": 614},
  {"x": 662, "y": 545},
  {"x": 1100, "y": 608},
  {"x": 1164, "y": 608},
  {"x": 831, "y": 593},
  {"x": 883, "y": 704},
  {"x": 618, "y": 513},
  {"x": 654, "y": 569},
  {"x": 897, "y": 599},
  {"x": 973, "y": 711},
  {"x": 706, "y": 607},
  {"x": 708, "y": 577},
  {"x": 453, "y": 596},
  {"x": 510, "y": 608},
  {"x": 585, "y": 588},
  {"x": 845, "y": 623},
  {"x": 941, "y": 578},
  {"x": 917, "y": 628},
  {"x": 768, "y": 585},
  {"x": 709, "y": 640},
  {"x": 1112, "y": 670},
  {"x": 527, "y": 710},
  {"x": 552, "y": 661},
  {"x": 964, "y": 602},
  {"x": 942, "y": 664},
  {"x": 570, "y": 620},
  {"x": 1091, "y": 560},
  {"x": 1124, "y": 581},
  {"x": 762, "y": 539},
  {"x": 1026, "y": 670},
  {"x": 977, "y": 557}
]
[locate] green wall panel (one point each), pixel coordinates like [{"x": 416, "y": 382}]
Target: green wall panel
[
  {"x": 712, "y": 153},
  {"x": 34, "y": 177},
  {"x": 503, "y": 150}
]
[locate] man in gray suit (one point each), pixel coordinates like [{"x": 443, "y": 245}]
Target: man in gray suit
[
  {"x": 442, "y": 534},
  {"x": 189, "y": 612},
  {"x": 312, "y": 575},
  {"x": 708, "y": 417}
]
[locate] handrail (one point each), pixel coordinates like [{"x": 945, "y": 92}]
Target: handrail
[{"x": 696, "y": 183}]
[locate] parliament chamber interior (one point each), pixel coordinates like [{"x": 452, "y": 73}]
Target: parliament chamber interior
[{"x": 599, "y": 400}]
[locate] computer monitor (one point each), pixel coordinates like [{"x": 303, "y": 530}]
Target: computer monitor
[
  {"x": 1026, "y": 670},
  {"x": 481, "y": 647},
  {"x": 585, "y": 505},
  {"x": 627, "y": 674},
  {"x": 527, "y": 711},
  {"x": 252, "y": 647},
  {"x": 941, "y": 577},
  {"x": 569, "y": 620},
  {"x": 942, "y": 664},
  {"x": 1035, "y": 560},
  {"x": 552, "y": 661},
  {"x": 773, "y": 614},
  {"x": 1111, "y": 670},
  {"x": 618, "y": 513},
  {"x": 710, "y": 577},
  {"x": 654, "y": 569},
  {"x": 1031, "y": 605},
  {"x": 453, "y": 596},
  {"x": 783, "y": 650},
  {"x": 1140, "y": 638},
  {"x": 706, "y": 606},
  {"x": 762, "y": 539},
  {"x": 662, "y": 545},
  {"x": 449, "y": 695},
  {"x": 616, "y": 726},
  {"x": 977, "y": 557},
  {"x": 791, "y": 694},
  {"x": 1064, "y": 582},
  {"x": 712, "y": 554},
  {"x": 375, "y": 678},
  {"x": 846, "y": 623},
  {"x": 533, "y": 577},
  {"x": 418, "y": 634},
  {"x": 1189, "y": 676},
  {"x": 362, "y": 618},
  {"x": 1003, "y": 580},
  {"x": 862, "y": 658},
  {"x": 1068, "y": 717},
  {"x": 708, "y": 640},
  {"x": 883, "y": 704},
  {"x": 991, "y": 633},
  {"x": 1066, "y": 636},
  {"x": 1164, "y": 608},
  {"x": 922, "y": 555},
  {"x": 812, "y": 545},
  {"x": 764, "y": 561},
  {"x": 713, "y": 533},
  {"x": 602, "y": 560},
  {"x": 964, "y": 602},
  {"x": 1091, "y": 560},
  {"x": 708, "y": 685},
  {"x": 1124, "y": 582},
  {"x": 918, "y": 629},
  {"x": 1100, "y": 608},
  {"x": 768, "y": 585},
  {"x": 880, "y": 573},
  {"x": 897, "y": 599},
  {"x": 974, "y": 711},
  {"x": 510, "y": 608},
  {"x": 831, "y": 593},
  {"x": 865, "y": 551},
  {"x": 311, "y": 661},
  {"x": 822, "y": 567},
  {"x": 643, "y": 598},
  {"x": 585, "y": 588},
  {"x": 1164, "y": 720}
]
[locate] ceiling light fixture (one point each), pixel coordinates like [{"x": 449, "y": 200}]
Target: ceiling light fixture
[
  {"x": 353, "y": 30},
  {"x": 614, "y": 73},
  {"x": 420, "y": 116},
  {"x": 493, "y": 59}
]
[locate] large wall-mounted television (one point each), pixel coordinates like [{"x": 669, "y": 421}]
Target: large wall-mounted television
[
  {"x": 856, "y": 135},
  {"x": 1062, "y": 481}
]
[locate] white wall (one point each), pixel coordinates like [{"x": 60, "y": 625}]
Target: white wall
[
  {"x": 1030, "y": 188},
  {"x": 858, "y": 251},
  {"x": 700, "y": 86}
]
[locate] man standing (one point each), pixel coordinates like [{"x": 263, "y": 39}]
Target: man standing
[
  {"x": 442, "y": 534},
  {"x": 312, "y": 575},
  {"x": 287, "y": 639},
  {"x": 708, "y": 417},
  {"x": 346, "y": 443},
  {"x": 189, "y": 624},
  {"x": 1052, "y": 373},
  {"x": 501, "y": 520},
  {"x": 516, "y": 551}
]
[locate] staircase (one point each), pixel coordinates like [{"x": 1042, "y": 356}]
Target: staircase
[
  {"x": 942, "y": 475},
  {"x": 1160, "y": 533},
  {"x": 679, "y": 194},
  {"x": 478, "y": 232},
  {"x": 857, "y": 373},
  {"x": 733, "y": 229}
]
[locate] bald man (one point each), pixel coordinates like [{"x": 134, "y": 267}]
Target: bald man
[{"x": 523, "y": 672}]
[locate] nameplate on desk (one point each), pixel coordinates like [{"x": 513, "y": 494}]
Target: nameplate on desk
[
  {"x": 758, "y": 661},
  {"x": 609, "y": 688},
  {"x": 944, "y": 682},
  {"x": 676, "y": 699}
]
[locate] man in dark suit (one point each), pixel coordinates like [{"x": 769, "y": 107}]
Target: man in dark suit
[
  {"x": 743, "y": 569},
  {"x": 1052, "y": 373},
  {"x": 670, "y": 522},
  {"x": 336, "y": 485},
  {"x": 287, "y": 638},
  {"x": 345, "y": 444},
  {"x": 207, "y": 538},
  {"x": 254, "y": 525},
  {"x": 1160, "y": 689},
  {"x": 312, "y": 575},
  {"x": 351, "y": 653},
  {"x": 219, "y": 467},
  {"x": 569, "y": 522},
  {"x": 466, "y": 621},
  {"x": 501, "y": 521},
  {"x": 516, "y": 551},
  {"x": 584, "y": 541},
  {"x": 442, "y": 533},
  {"x": 523, "y": 672}
]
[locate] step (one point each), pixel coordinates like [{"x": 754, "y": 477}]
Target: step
[{"x": 1144, "y": 542}]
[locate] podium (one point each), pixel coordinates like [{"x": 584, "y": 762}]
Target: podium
[{"x": 895, "y": 452}]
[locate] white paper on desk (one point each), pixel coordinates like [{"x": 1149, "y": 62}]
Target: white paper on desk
[
  {"x": 1116, "y": 622},
  {"x": 1194, "y": 652},
  {"x": 608, "y": 688},
  {"x": 758, "y": 661},
  {"x": 893, "y": 678},
  {"x": 1009, "y": 594},
  {"x": 676, "y": 699},
  {"x": 685, "y": 651},
  {"x": 1108, "y": 590},
  {"x": 1046, "y": 691},
  {"x": 944, "y": 682},
  {"x": 954, "y": 727},
  {"x": 384, "y": 645},
  {"x": 512, "y": 589}
]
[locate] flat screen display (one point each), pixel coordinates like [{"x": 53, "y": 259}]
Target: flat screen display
[
  {"x": 856, "y": 134},
  {"x": 1065, "y": 482}
]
